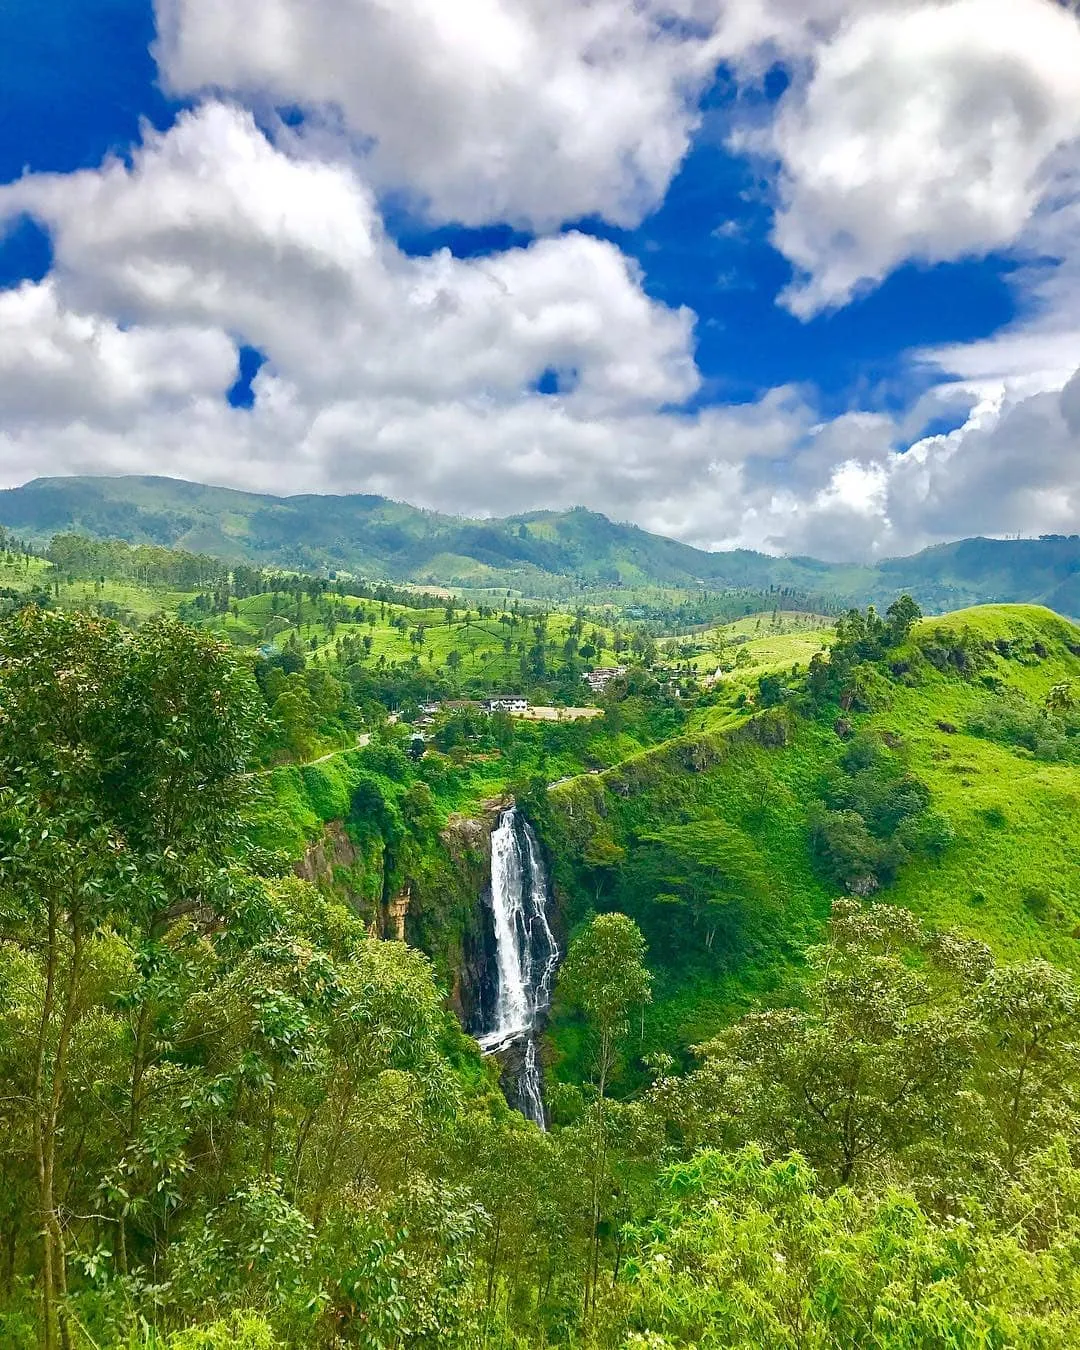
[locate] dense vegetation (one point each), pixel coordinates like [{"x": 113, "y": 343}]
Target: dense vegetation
[{"x": 813, "y": 1069}]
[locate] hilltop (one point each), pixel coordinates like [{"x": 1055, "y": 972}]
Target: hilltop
[{"x": 553, "y": 554}]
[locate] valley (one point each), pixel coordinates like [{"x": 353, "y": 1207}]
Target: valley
[
  {"x": 540, "y": 675},
  {"x": 432, "y": 927}
]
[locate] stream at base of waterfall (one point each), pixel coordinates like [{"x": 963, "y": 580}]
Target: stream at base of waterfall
[{"x": 526, "y": 957}]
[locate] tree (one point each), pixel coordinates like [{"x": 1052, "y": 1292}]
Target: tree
[
  {"x": 602, "y": 856},
  {"x": 1029, "y": 1066},
  {"x": 709, "y": 867},
  {"x": 748, "y": 1254},
  {"x": 604, "y": 977},
  {"x": 121, "y": 759},
  {"x": 902, "y": 615},
  {"x": 870, "y": 1070}
]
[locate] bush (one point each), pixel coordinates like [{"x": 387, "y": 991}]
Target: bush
[
  {"x": 243, "y": 1331},
  {"x": 873, "y": 816},
  {"x": 1013, "y": 721},
  {"x": 928, "y": 834}
]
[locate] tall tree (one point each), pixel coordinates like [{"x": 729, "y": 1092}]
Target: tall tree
[{"x": 605, "y": 977}]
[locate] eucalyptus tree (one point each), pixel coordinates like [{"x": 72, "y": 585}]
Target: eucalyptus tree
[{"x": 871, "y": 1067}]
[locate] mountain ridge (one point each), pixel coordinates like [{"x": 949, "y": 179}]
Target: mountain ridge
[{"x": 546, "y": 552}]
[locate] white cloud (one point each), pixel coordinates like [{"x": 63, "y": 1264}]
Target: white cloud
[
  {"x": 214, "y": 226},
  {"x": 924, "y": 132},
  {"x": 533, "y": 111},
  {"x": 57, "y": 364},
  {"x": 416, "y": 377},
  {"x": 1014, "y": 469},
  {"x": 1041, "y": 349}
]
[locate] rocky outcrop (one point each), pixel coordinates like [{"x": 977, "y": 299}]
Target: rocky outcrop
[
  {"x": 467, "y": 840},
  {"x": 332, "y": 850},
  {"x": 335, "y": 863},
  {"x": 397, "y": 911}
]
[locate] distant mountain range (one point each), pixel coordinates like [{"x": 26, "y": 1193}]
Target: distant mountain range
[{"x": 544, "y": 553}]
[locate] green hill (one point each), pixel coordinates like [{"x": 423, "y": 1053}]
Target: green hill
[
  {"x": 728, "y": 844},
  {"x": 977, "y": 571},
  {"x": 386, "y": 539},
  {"x": 545, "y": 553}
]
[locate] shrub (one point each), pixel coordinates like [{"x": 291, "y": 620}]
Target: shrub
[
  {"x": 928, "y": 834},
  {"x": 848, "y": 854},
  {"x": 1013, "y": 721},
  {"x": 243, "y": 1331}
]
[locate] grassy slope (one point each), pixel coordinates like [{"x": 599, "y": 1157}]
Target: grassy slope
[
  {"x": 481, "y": 642},
  {"x": 984, "y": 885},
  {"x": 19, "y": 572},
  {"x": 983, "y": 881},
  {"x": 773, "y": 643}
]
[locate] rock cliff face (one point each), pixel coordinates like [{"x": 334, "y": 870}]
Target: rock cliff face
[
  {"x": 467, "y": 841},
  {"x": 333, "y": 850},
  {"x": 334, "y": 862}
]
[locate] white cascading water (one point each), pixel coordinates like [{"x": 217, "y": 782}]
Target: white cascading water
[{"x": 526, "y": 953}]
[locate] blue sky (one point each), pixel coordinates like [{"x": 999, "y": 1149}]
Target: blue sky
[{"x": 794, "y": 276}]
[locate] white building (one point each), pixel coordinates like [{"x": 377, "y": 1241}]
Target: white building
[{"x": 507, "y": 703}]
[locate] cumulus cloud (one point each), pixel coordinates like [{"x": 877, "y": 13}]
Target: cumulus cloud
[
  {"x": 211, "y": 225},
  {"x": 923, "y": 132},
  {"x": 57, "y": 364},
  {"x": 1014, "y": 469},
  {"x": 415, "y": 376},
  {"x": 533, "y": 111}
]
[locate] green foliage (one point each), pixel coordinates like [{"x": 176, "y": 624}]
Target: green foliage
[
  {"x": 243, "y": 1331},
  {"x": 849, "y": 855},
  {"x": 881, "y": 1026},
  {"x": 746, "y": 1253},
  {"x": 708, "y": 869},
  {"x": 874, "y": 816},
  {"x": 605, "y": 977},
  {"x": 1050, "y": 733},
  {"x": 234, "y": 1115},
  {"x": 914, "y": 1055}
]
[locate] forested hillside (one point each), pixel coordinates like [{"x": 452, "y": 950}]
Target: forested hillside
[
  {"x": 811, "y": 1071},
  {"x": 541, "y": 553},
  {"x": 547, "y": 554}
]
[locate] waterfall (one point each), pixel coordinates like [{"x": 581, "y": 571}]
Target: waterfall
[{"x": 526, "y": 957}]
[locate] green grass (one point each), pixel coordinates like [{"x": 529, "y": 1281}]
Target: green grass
[
  {"x": 17, "y": 571},
  {"x": 480, "y": 642},
  {"x": 771, "y": 642},
  {"x": 1017, "y": 820}
]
